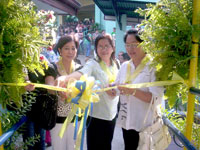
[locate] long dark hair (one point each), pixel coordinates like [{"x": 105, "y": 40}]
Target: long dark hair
[
  {"x": 64, "y": 40},
  {"x": 109, "y": 38}
]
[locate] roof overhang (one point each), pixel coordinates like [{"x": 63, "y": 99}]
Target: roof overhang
[
  {"x": 113, "y": 9},
  {"x": 68, "y": 6},
  {"x": 87, "y": 11}
]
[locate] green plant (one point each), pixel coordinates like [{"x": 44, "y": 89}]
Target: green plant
[
  {"x": 9, "y": 118},
  {"x": 70, "y": 18},
  {"x": 20, "y": 44},
  {"x": 167, "y": 38},
  {"x": 180, "y": 122}
]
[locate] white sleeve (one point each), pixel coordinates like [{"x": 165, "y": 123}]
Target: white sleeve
[{"x": 87, "y": 68}]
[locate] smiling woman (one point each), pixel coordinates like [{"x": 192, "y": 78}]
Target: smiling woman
[
  {"x": 103, "y": 68},
  {"x": 135, "y": 102},
  {"x": 67, "y": 48}
]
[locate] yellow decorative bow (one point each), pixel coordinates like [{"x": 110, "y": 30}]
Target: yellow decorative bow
[{"x": 86, "y": 97}]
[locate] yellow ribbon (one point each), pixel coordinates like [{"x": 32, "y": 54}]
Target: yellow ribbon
[
  {"x": 110, "y": 72},
  {"x": 37, "y": 85},
  {"x": 175, "y": 80},
  {"x": 89, "y": 95},
  {"x": 130, "y": 77},
  {"x": 78, "y": 141},
  {"x": 61, "y": 67}
]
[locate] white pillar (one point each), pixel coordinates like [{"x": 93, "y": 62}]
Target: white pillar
[
  {"x": 120, "y": 34},
  {"x": 60, "y": 19}
]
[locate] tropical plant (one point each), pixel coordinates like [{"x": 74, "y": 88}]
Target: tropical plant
[
  {"x": 167, "y": 38},
  {"x": 12, "y": 116},
  {"x": 20, "y": 44},
  {"x": 180, "y": 122}
]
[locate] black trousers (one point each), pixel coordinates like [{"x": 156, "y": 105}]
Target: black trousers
[
  {"x": 100, "y": 133},
  {"x": 131, "y": 139}
]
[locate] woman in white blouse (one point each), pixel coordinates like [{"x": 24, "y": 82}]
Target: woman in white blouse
[
  {"x": 103, "y": 118},
  {"x": 135, "y": 102}
]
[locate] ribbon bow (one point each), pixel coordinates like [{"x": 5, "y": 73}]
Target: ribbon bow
[{"x": 82, "y": 98}]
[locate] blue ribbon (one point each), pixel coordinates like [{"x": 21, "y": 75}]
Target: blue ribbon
[
  {"x": 81, "y": 85},
  {"x": 76, "y": 125},
  {"x": 11, "y": 131},
  {"x": 83, "y": 131}
]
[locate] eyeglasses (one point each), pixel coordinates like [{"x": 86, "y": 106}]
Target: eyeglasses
[
  {"x": 105, "y": 47},
  {"x": 131, "y": 45}
]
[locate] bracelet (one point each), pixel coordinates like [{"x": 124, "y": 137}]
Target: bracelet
[{"x": 133, "y": 94}]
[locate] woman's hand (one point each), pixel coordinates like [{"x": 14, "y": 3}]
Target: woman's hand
[
  {"x": 62, "y": 82},
  {"x": 111, "y": 92},
  {"x": 30, "y": 87},
  {"x": 126, "y": 91}
]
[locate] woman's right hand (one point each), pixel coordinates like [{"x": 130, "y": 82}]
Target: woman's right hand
[{"x": 62, "y": 82}]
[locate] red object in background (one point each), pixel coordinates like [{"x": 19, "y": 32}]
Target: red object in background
[
  {"x": 50, "y": 16},
  {"x": 41, "y": 57}
]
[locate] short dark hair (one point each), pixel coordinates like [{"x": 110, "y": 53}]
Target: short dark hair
[
  {"x": 135, "y": 33},
  {"x": 100, "y": 37}
]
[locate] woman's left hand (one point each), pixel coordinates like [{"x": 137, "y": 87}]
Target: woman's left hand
[
  {"x": 125, "y": 90},
  {"x": 111, "y": 92}
]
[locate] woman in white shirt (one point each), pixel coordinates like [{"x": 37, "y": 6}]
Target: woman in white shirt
[
  {"x": 135, "y": 102},
  {"x": 104, "y": 68}
]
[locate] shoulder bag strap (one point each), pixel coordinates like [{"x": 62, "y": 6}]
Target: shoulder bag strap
[{"x": 147, "y": 114}]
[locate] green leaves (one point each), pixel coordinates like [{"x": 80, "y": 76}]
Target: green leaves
[
  {"x": 19, "y": 45},
  {"x": 167, "y": 37}
]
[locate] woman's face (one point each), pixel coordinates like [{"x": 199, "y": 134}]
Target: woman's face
[
  {"x": 104, "y": 49},
  {"x": 132, "y": 48},
  {"x": 68, "y": 51}
]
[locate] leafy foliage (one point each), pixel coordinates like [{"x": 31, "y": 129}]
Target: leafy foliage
[
  {"x": 167, "y": 37},
  {"x": 180, "y": 122},
  {"x": 9, "y": 118},
  {"x": 20, "y": 44}
]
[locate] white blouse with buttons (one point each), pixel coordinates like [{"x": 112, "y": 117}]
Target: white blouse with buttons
[
  {"x": 133, "y": 110},
  {"x": 106, "y": 108}
]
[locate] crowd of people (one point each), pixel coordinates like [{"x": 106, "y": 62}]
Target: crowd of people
[
  {"x": 83, "y": 32},
  {"x": 124, "y": 107}
]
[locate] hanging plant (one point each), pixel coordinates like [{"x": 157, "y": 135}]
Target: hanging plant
[
  {"x": 20, "y": 44},
  {"x": 167, "y": 38}
]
